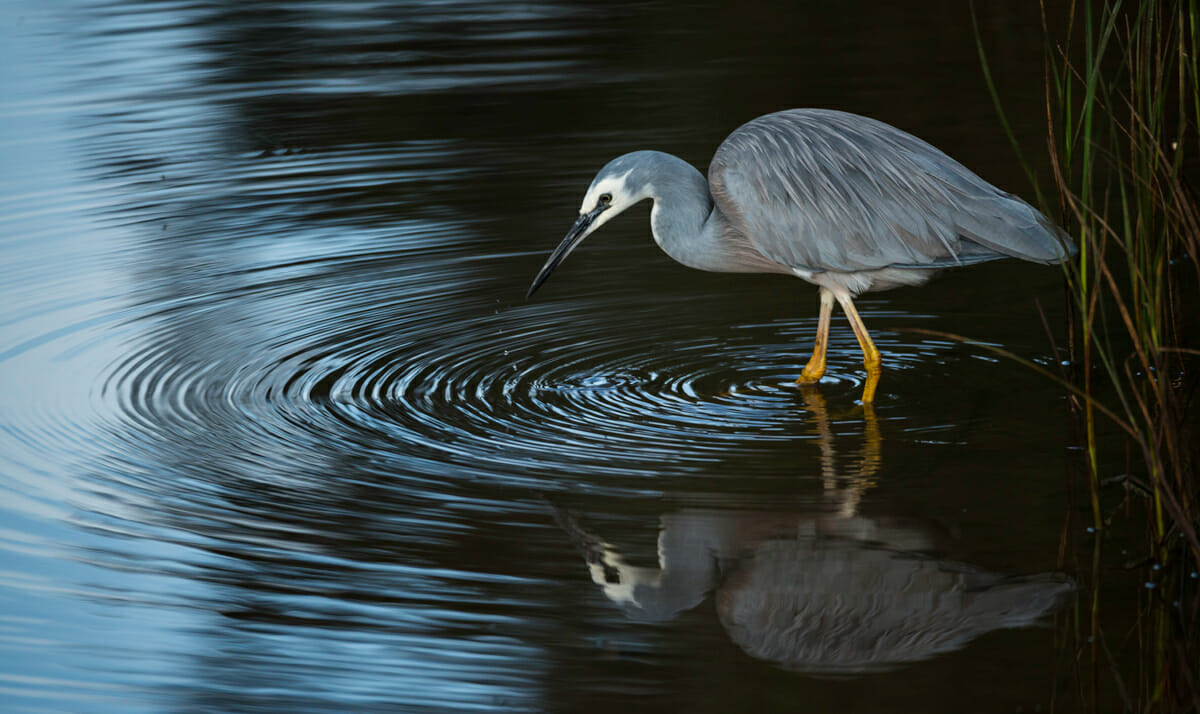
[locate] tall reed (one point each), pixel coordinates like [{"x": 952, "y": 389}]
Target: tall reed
[{"x": 1122, "y": 97}]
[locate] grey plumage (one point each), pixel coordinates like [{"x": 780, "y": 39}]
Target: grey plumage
[
  {"x": 824, "y": 190},
  {"x": 842, "y": 201}
]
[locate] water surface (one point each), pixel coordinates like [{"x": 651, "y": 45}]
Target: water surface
[{"x": 280, "y": 432}]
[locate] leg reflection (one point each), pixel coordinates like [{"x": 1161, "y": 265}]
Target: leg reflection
[{"x": 848, "y": 488}]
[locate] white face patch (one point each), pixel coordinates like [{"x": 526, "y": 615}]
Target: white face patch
[
  {"x": 615, "y": 186},
  {"x": 621, "y": 588},
  {"x": 612, "y": 185}
]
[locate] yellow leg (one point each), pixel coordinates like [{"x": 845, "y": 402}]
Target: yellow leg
[
  {"x": 871, "y": 358},
  {"x": 815, "y": 369}
]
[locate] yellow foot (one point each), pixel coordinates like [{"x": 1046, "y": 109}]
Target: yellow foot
[
  {"x": 806, "y": 378},
  {"x": 868, "y": 394},
  {"x": 812, "y": 372}
]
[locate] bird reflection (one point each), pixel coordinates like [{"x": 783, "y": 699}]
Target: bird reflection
[{"x": 825, "y": 589}]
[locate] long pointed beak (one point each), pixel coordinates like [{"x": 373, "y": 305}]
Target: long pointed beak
[{"x": 574, "y": 237}]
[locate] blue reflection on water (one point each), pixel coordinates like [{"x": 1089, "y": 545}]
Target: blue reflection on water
[{"x": 276, "y": 431}]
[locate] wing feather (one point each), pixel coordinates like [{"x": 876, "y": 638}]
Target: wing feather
[{"x": 826, "y": 190}]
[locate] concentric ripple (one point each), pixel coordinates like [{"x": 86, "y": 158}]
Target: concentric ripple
[
  {"x": 278, "y": 430},
  {"x": 358, "y": 354}
]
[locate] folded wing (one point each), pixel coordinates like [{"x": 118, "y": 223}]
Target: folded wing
[{"x": 825, "y": 190}]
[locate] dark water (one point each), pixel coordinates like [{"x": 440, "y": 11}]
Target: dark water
[{"x": 279, "y": 432}]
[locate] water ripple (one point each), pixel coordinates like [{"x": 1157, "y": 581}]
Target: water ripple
[
  {"x": 274, "y": 409},
  {"x": 523, "y": 392}
]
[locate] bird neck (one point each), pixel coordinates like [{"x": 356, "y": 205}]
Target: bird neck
[{"x": 682, "y": 213}]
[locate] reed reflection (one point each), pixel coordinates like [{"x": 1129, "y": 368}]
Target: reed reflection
[{"x": 822, "y": 588}]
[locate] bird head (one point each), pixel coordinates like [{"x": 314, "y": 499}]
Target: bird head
[{"x": 618, "y": 186}]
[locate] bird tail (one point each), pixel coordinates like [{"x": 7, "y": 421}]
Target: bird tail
[
  {"x": 1018, "y": 601},
  {"x": 1011, "y": 227}
]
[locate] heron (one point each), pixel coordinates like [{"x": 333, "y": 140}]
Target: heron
[{"x": 843, "y": 201}]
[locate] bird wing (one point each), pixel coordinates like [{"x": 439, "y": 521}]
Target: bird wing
[{"x": 827, "y": 190}]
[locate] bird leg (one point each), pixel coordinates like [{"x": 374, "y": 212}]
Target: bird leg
[
  {"x": 815, "y": 369},
  {"x": 871, "y": 359}
]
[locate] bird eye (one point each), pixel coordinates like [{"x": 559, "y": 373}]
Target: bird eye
[{"x": 606, "y": 198}]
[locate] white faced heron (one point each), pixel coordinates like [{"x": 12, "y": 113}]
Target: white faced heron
[{"x": 845, "y": 202}]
